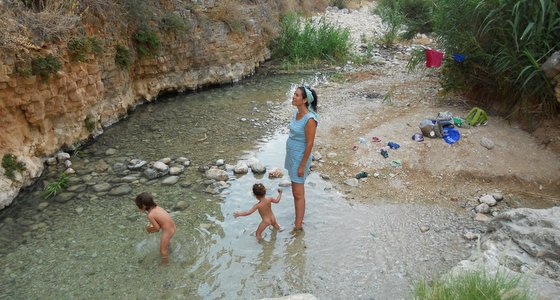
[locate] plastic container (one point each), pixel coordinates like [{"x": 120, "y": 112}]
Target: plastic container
[
  {"x": 433, "y": 58},
  {"x": 451, "y": 135}
]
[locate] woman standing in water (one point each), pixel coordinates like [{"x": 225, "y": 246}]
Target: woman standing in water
[{"x": 303, "y": 126}]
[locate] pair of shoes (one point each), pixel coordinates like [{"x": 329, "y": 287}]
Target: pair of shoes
[
  {"x": 355, "y": 148},
  {"x": 393, "y": 145},
  {"x": 384, "y": 153},
  {"x": 375, "y": 139}
]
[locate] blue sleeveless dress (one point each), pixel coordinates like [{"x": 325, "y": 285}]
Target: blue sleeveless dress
[{"x": 295, "y": 146}]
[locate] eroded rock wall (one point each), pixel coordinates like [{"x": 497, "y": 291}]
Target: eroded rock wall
[{"x": 37, "y": 116}]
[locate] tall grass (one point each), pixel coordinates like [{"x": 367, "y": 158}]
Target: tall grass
[
  {"x": 472, "y": 286},
  {"x": 505, "y": 43},
  {"x": 415, "y": 15},
  {"x": 308, "y": 42}
]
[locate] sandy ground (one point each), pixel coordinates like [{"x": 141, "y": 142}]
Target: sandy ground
[{"x": 382, "y": 99}]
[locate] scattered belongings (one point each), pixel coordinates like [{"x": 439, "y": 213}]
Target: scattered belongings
[
  {"x": 396, "y": 163},
  {"x": 375, "y": 139},
  {"x": 384, "y": 153},
  {"x": 393, "y": 145},
  {"x": 476, "y": 117},
  {"x": 362, "y": 174},
  {"x": 418, "y": 137}
]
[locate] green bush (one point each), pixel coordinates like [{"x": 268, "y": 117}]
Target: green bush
[
  {"x": 311, "y": 43},
  {"x": 90, "y": 123},
  {"x": 338, "y": 3},
  {"x": 415, "y": 14},
  {"x": 393, "y": 19},
  {"x": 55, "y": 187},
  {"x": 44, "y": 66},
  {"x": 122, "y": 58},
  {"x": 472, "y": 286},
  {"x": 11, "y": 165},
  {"x": 173, "y": 22},
  {"x": 80, "y": 46},
  {"x": 147, "y": 42}
]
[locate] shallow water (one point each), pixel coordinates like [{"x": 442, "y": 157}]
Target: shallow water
[{"x": 88, "y": 244}]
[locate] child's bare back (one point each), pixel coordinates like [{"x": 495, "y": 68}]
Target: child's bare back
[{"x": 265, "y": 209}]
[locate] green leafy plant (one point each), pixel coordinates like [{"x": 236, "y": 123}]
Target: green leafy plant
[
  {"x": 147, "y": 41},
  {"x": 80, "y": 46},
  {"x": 474, "y": 285},
  {"x": 55, "y": 187},
  {"x": 122, "y": 59},
  {"x": 12, "y": 165},
  {"x": 310, "y": 42},
  {"x": 173, "y": 22},
  {"x": 44, "y": 66},
  {"x": 90, "y": 123},
  {"x": 393, "y": 19}
]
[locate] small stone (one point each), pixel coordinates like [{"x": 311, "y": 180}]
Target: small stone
[
  {"x": 102, "y": 187},
  {"x": 160, "y": 166},
  {"x": 331, "y": 155},
  {"x": 482, "y": 208},
  {"x": 130, "y": 178},
  {"x": 275, "y": 173},
  {"x": 62, "y": 156},
  {"x": 42, "y": 205},
  {"x": 118, "y": 167},
  {"x": 471, "y": 236},
  {"x": 187, "y": 163},
  {"x": 181, "y": 205},
  {"x": 498, "y": 196},
  {"x": 64, "y": 197},
  {"x": 325, "y": 176},
  {"x": 482, "y": 218},
  {"x": 186, "y": 184},
  {"x": 136, "y": 164},
  {"x": 166, "y": 160},
  {"x": 487, "y": 143},
  {"x": 182, "y": 159},
  {"x": 151, "y": 173},
  {"x": 375, "y": 175},
  {"x": 122, "y": 189},
  {"x": 217, "y": 174},
  {"x": 488, "y": 199},
  {"x": 353, "y": 182},
  {"x": 171, "y": 180},
  {"x": 220, "y": 162},
  {"x": 67, "y": 163},
  {"x": 77, "y": 188},
  {"x": 79, "y": 209},
  {"x": 176, "y": 170},
  {"x": 241, "y": 168},
  {"x": 110, "y": 151},
  {"x": 51, "y": 161},
  {"x": 258, "y": 168},
  {"x": 424, "y": 228},
  {"x": 285, "y": 183},
  {"x": 317, "y": 156},
  {"x": 70, "y": 171}
]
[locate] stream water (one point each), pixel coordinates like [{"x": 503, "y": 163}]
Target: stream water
[{"x": 89, "y": 241}]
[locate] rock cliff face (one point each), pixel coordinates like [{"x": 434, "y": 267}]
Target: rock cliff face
[{"x": 39, "y": 116}]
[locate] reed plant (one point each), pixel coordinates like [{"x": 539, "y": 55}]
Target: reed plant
[
  {"x": 55, "y": 187},
  {"x": 474, "y": 285},
  {"x": 306, "y": 43}
]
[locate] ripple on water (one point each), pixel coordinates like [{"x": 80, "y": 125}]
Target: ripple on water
[{"x": 93, "y": 244}]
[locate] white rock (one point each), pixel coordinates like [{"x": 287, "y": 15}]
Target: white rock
[
  {"x": 353, "y": 182},
  {"x": 165, "y": 160},
  {"x": 160, "y": 166},
  {"x": 471, "y": 236},
  {"x": 258, "y": 168},
  {"x": 488, "y": 199},
  {"x": 67, "y": 163},
  {"x": 275, "y": 173},
  {"x": 497, "y": 196},
  {"x": 285, "y": 183},
  {"x": 317, "y": 156},
  {"x": 217, "y": 174},
  {"x": 251, "y": 161},
  {"x": 176, "y": 170},
  {"x": 170, "y": 180},
  {"x": 182, "y": 159},
  {"x": 219, "y": 162},
  {"x": 487, "y": 143},
  {"x": 241, "y": 168},
  {"x": 62, "y": 156},
  {"x": 70, "y": 171},
  {"x": 482, "y": 208},
  {"x": 51, "y": 161},
  {"x": 331, "y": 155},
  {"x": 482, "y": 218}
]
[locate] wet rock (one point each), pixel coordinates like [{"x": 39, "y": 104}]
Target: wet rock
[
  {"x": 166, "y": 160},
  {"x": 122, "y": 189},
  {"x": 488, "y": 199},
  {"x": 241, "y": 168},
  {"x": 110, "y": 151},
  {"x": 482, "y": 208},
  {"x": 186, "y": 184},
  {"x": 151, "y": 173},
  {"x": 70, "y": 171},
  {"x": 101, "y": 167},
  {"x": 171, "y": 180},
  {"x": 353, "y": 182},
  {"x": 161, "y": 167},
  {"x": 67, "y": 163},
  {"x": 64, "y": 197},
  {"x": 130, "y": 178},
  {"x": 285, "y": 183},
  {"x": 211, "y": 190},
  {"x": 51, "y": 161},
  {"x": 42, "y": 205},
  {"x": 136, "y": 164},
  {"x": 176, "y": 170},
  {"x": 77, "y": 188},
  {"x": 251, "y": 161},
  {"x": 275, "y": 173},
  {"x": 487, "y": 143},
  {"x": 217, "y": 174},
  {"x": 62, "y": 156},
  {"x": 258, "y": 168},
  {"x": 181, "y": 205},
  {"x": 220, "y": 162},
  {"x": 101, "y": 187},
  {"x": 119, "y": 167}
]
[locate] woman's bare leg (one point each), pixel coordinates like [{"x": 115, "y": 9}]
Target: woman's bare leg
[{"x": 298, "y": 192}]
